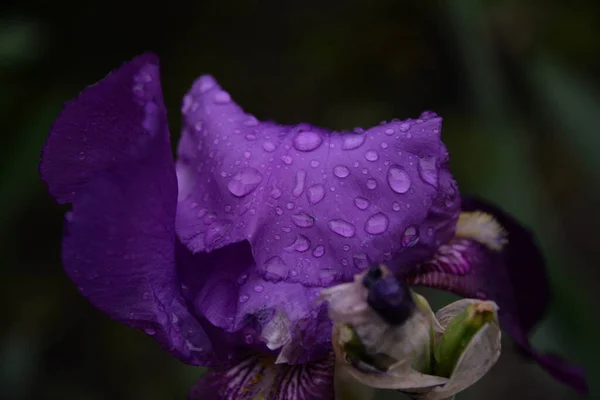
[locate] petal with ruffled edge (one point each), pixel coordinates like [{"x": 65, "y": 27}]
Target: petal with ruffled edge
[
  {"x": 316, "y": 206},
  {"x": 494, "y": 257},
  {"x": 266, "y": 316},
  {"x": 108, "y": 154},
  {"x": 257, "y": 377}
]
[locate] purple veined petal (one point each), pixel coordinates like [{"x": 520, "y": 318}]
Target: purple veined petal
[
  {"x": 514, "y": 277},
  {"x": 108, "y": 154},
  {"x": 257, "y": 375},
  {"x": 307, "y": 199}
]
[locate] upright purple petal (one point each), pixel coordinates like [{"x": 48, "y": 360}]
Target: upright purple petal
[
  {"x": 108, "y": 154},
  {"x": 514, "y": 277},
  {"x": 316, "y": 206}
]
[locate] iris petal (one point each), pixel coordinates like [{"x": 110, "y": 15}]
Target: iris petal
[{"x": 108, "y": 154}]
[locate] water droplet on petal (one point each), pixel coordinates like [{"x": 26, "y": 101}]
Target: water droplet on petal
[
  {"x": 341, "y": 171},
  {"x": 315, "y": 193},
  {"x": 244, "y": 298},
  {"x": 318, "y": 251},
  {"x": 342, "y": 228},
  {"x": 371, "y": 183},
  {"x": 352, "y": 141},
  {"x": 276, "y": 192},
  {"x": 384, "y": 145},
  {"x": 361, "y": 203},
  {"x": 389, "y": 131},
  {"x": 377, "y": 224},
  {"x": 268, "y": 146},
  {"x": 398, "y": 179},
  {"x": 303, "y": 220},
  {"x": 247, "y": 154},
  {"x": 215, "y": 232},
  {"x": 206, "y": 83},
  {"x": 286, "y": 229},
  {"x": 242, "y": 279},
  {"x": 361, "y": 261},
  {"x": 278, "y": 210},
  {"x": 300, "y": 244},
  {"x": 150, "y": 331},
  {"x": 410, "y": 236},
  {"x": 314, "y": 163},
  {"x": 259, "y": 288},
  {"x": 250, "y": 136},
  {"x": 371, "y": 155},
  {"x": 245, "y": 181},
  {"x": 307, "y": 141},
  {"x": 300, "y": 178},
  {"x": 275, "y": 269},
  {"x": 222, "y": 97},
  {"x": 286, "y": 159},
  {"x": 404, "y": 127},
  {"x": 428, "y": 170},
  {"x": 396, "y": 206}
]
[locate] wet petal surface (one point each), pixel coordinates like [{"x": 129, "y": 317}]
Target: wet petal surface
[{"x": 314, "y": 205}]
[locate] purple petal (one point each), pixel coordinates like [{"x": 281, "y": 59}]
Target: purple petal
[
  {"x": 256, "y": 376},
  {"x": 514, "y": 277},
  {"x": 108, "y": 154},
  {"x": 316, "y": 206},
  {"x": 224, "y": 287}
]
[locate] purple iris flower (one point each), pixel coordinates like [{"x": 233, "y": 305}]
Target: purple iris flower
[{"x": 220, "y": 255}]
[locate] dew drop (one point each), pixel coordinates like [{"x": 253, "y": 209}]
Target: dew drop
[
  {"x": 346, "y": 247},
  {"x": 344, "y": 261},
  {"x": 307, "y": 141},
  {"x": 275, "y": 269},
  {"x": 352, "y": 141},
  {"x": 384, "y": 145},
  {"x": 300, "y": 179},
  {"x": 289, "y": 206},
  {"x": 244, "y": 298},
  {"x": 404, "y": 127},
  {"x": 242, "y": 279},
  {"x": 341, "y": 171},
  {"x": 361, "y": 261},
  {"x": 315, "y": 193},
  {"x": 398, "y": 179},
  {"x": 278, "y": 210},
  {"x": 389, "y": 131},
  {"x": 287, "y": 160},
  {"x": 247, "y": 154},
  {"x": 371, "y": 155},
  {"x": 428, "y": 170},
  {"x": 276, "y": 192},
  {"x": 222, "y": 97},
  {"x": 410, "y": 237},
  {"x": 342, "y": 228},
  {"x": 245, "y": 181},
  {"x": 286, "y": 229},
  {"x": 268, "y": 146},
  {"x": 300, "y": 244},
  {"x": 259, "y": 288},
  {"x": 215, "y": 232},
  {"x": 318, "y": 251},
  {"x": 377, "y": 224},
  {"x": 371, "y": 183},
  {"x": 361, "y": 203},
  {"x": 250, "y": 136},
  {"x": 396, "y": 206},
  {"x": 303, "y": 220}
]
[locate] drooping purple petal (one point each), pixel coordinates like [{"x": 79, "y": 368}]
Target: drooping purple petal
[
  {"x": 316, "y": 206},
  {"x": 257, "y": 377},
  {"x": 224, "y": 287},
  {"x": 108, "y": 154},
  {"x": 514, "y": 277}
]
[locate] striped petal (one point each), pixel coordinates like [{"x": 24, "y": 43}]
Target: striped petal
[{"x": 258, "y": 377}]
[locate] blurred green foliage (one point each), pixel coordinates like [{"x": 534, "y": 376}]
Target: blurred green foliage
[{"x": 517, "y": 83}]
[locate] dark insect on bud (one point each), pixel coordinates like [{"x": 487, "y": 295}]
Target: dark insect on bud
[
  {"x": 391, "y": 299},
  {"x": 373, "y": 274}
]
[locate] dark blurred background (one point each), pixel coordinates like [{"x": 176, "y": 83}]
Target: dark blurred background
[{"x": 518, "y": 83}]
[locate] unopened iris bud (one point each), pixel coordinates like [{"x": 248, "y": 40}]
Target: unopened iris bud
[{"x": 386, "y": 336}]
